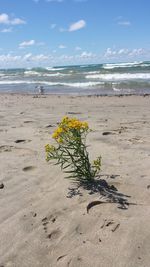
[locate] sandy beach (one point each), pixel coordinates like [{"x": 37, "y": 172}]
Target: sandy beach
[{"x": 43, "y": 217}]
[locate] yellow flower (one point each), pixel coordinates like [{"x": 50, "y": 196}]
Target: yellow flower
[
  {"x": 85, "y": 125},
  {"x": 74, "y": 123},
  {"x": 66, "y": 126},
  {"x": 49, "y": 148},
  {"x": 65, "y": 120},
  {"x": 57, "y": 132}
]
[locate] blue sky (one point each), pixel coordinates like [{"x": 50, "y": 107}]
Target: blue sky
[{"x": 62, "y": 32}]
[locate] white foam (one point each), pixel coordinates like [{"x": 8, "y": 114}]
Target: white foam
[
  {"x": 83, "y": 84},
  {"x": 32, "y": 73},
  {"x": 116, "y": 89},
  {"x": 93, "y": 72},
  {"x": 122, "y": 65},
  {"x": 76, "y": 84},
  {"x": 120, "y": 76},
  {"x": 16, "y": 82},
  {"x": 54, "y": 69},
  {"x": 57, "y": 74}
]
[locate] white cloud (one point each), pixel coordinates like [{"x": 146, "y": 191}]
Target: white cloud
[
  {"x": 33, "y": 58},
  {"x": 5, "y": 19},
  {"x": 65, "y": 57},
  {"x": 40, "y": 57},
  {"x": 124, "y": 23},
  {"x": 78, "y": 48},
  {"x": 6, "y": 30},
  {"x": 27, "y": 43},
  {"x": 74, "y": 26},
  {"x": 124, "y": 52},
  {"x": 27, "y": 56},
  {"x": 86, "y": 55},
  {"x": 17, "y": 21},
  {"x": 9, "y": 60},
  {"x": 137, "y": 52},
  {"x": 61, "y": 46},
  {"x": 77, "y": 25},
  {"x": 109, "y": 53}
]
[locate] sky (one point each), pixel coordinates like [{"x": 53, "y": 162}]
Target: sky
[{"x": 70, "y": 32}]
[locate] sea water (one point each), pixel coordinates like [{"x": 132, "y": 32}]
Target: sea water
[{"x": 101, "y": 79}]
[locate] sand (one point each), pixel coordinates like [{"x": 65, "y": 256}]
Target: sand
[{"x": 43, "y": 217}]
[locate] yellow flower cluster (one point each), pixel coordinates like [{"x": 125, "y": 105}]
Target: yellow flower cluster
[
  {"x": 66, "y": 125},
  {"x": 73, "y": 123},
  {"x": 49, "y": 148},
  {"x": 57, "y": 132}
]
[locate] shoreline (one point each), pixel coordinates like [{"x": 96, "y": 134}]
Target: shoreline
[{"x": 73, "y": 94}]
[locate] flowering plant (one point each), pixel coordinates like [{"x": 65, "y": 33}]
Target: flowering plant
[{"x": 70, "y": 150}]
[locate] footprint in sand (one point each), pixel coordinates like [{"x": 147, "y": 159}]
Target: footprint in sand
[
  {"x": 49, "y": 126},
  {"x": 54, "y": 234},
  {"x": 29, "y": 168},
  {"x": 108, "y": 223},
  {"x": 47, "y": 223},
  {"x": 22, "y": 141},
  {"x": 61, "y": 257},
  {"x": 28, "y": 121},
  {"x": 47, "y": 220},
  {"x": 76, "y": 261},
  {"x": 6, "y": 148},
  {"x": 1, "y": 185}
]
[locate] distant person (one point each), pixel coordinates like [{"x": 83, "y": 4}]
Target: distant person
[{"x": 41, "y": 90}]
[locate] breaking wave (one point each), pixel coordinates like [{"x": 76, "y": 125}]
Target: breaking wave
[{"x": 120, "y": 76}]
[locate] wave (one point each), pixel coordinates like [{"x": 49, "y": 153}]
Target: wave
[
  {"x": 16, "y": 82},
  {"x": 32, "y": 73},
  {"x": 83, "y": 84},
  {"x": 120, "y": 76},
  {"x": 92, "y": 72},
  {"x": 57, "y": 74},
  {"x": 126, "y": 65},
  {"x": 75, "y": 84},
  {"x": 116, "y": 89},
  {"x": 121, "y": 65},
  {"x": 54, "y": 68}
]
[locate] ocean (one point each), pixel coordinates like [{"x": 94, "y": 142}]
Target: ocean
[{"x": 98, "y": 79}]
